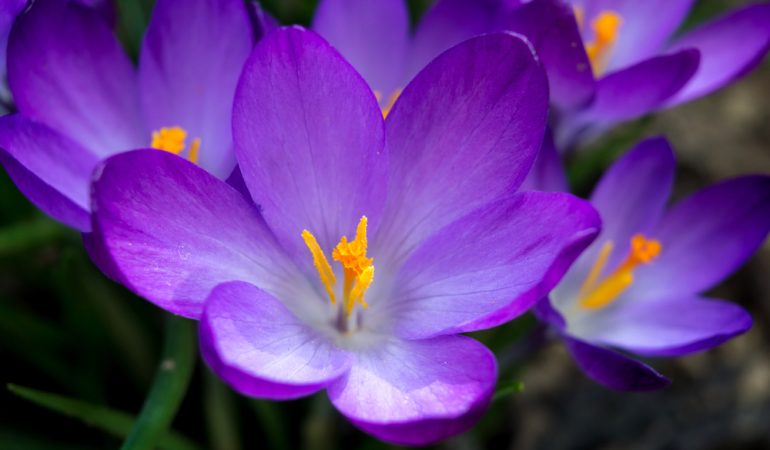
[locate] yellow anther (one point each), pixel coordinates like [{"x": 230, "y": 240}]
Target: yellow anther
[
  {"x": 363, "y": 281},
  {"x": 358, "y": 269},
  {"x": 192, "y": 153},
  {"x": 322, "y": 265},
  {"x": 595, "y": 293},
  {"x": 606, "y": 27},
  {"x": 172, "y": 140}
]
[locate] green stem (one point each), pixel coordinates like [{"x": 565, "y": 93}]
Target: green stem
[{"x": 168, "y": 387}]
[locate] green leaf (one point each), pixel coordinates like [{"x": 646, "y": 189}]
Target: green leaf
[
  {"x": 507, "y": 388},
  {"x": 169, "y": 386},
  {"x": 114, "y": 422},
  {"x": 134, "y": 15}
]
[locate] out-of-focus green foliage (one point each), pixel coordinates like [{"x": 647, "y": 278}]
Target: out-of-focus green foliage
[{"x": 114, "y": 422}]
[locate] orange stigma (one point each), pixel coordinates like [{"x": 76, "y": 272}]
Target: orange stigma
[
  {"x": 358, "y": 269},
  {"x": 172, "y": 140},
  {"x": 597, "y": 293},
  {"x": 606, "y": 27}
]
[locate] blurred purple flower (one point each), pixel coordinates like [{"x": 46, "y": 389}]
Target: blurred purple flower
[
  {"x": 639, "y": 63},
  {"x": 80, "y": 99},
  {"x": 288, "y": 305},
  {"x": 617, "y": 60},
  {"x": 637, "y": 288}
]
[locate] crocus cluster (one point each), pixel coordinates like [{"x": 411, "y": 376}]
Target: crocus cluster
[
  {"x": 337, "y": 207},
  {"x": 608, "y": 61},
  {"x": 80, "y": 99}
]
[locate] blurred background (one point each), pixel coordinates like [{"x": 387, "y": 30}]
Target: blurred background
[{"x": 79, "y": 352}]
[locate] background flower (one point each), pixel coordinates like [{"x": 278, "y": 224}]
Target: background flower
[
  {"x": 637, "y": 287},
  {"x": 80, "y": 99}
]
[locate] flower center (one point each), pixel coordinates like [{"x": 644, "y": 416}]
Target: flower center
[
  {"x": 357, "y": 267},
  {"x": 597, "y": 293},
  {"x": 172, "y": 140},
  {"x": 606, "y": 27},
  {"x": 391, "y": 101}
]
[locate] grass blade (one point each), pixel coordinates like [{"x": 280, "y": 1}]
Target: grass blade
[
  {"x": 116, "y": 423},
  {"x": 169, "y": 386}
]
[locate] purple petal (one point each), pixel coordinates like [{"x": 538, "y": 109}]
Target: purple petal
[
  {"x": 107, "y": 9},
  {"x": 647, "y": 26},
  {"x": 464, "y": 132},
  {"x": 450, "y": 22},
  {"x": 67, "y": 70},
  {"x": 633, "y": 193},
  {"x": 548, "y": 172},
  {"x": 261, "y": 21},
  {"x": 491, "y": 265},
  {"x": 708, "y": 236},
  {"x": 174, "y": 231},
  {"x": 51, "y": 170},
  {"x": 309, "y": 139},
  {"x": 371, "y": 35},
  {"x": 630, "y": 94},
  {"x": 665, "y": 327},
  {"x": 417, "y": 392},
  {"x": 630, "y": 198},
  {"x": 191, "y": 59},
  {"x": 547, "y": 314},
  {"x": 100, "y": 257},
  {"x": 236, "y": 181},
  {"x": 614, "y": 370},
  {"x": 9, "y": 9},
  {"x": 551, "y": 28},
  {"x": 261, "y": 349},
  {"x": 730, "y": 47}
]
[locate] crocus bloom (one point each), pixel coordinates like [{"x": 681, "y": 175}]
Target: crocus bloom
[
  {"x": 640, "y": 65},
  {"x": 607, "y": 60},
  {"x": 80, "y": 99},
  {"x": 637, "y": 287},
  {"x": 365, "y": 260}
]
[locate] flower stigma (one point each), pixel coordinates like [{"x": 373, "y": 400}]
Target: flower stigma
[
  {"x": 389, "y": 104},
  {"x": 358, "y": 269},
  {"x": 597, "y": 293},
  {"x": 606, "y": 27},
  {"x": 172, "y": 140}
]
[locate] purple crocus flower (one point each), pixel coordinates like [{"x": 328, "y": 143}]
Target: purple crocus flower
[
  {"x": 607, "y": 61},
  {"x": 376, "y": 242},
  {"x": 637, "y": 287},
  {"x": 80, "y": 99},
  {"x": 640, "y": 65}
]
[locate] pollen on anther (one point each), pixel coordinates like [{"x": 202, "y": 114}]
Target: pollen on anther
[{"x": 172, "y": 140}]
